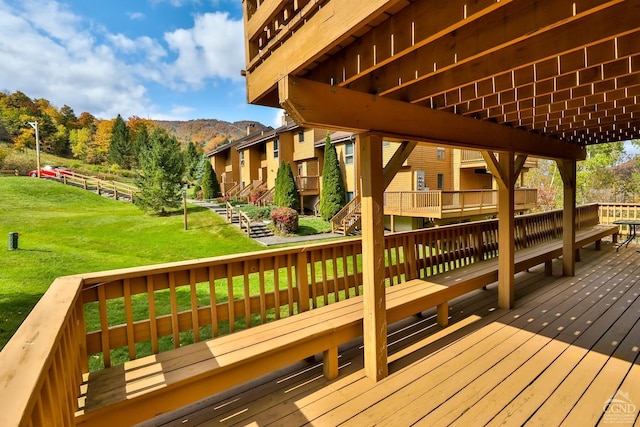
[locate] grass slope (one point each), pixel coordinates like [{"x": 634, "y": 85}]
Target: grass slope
[{"x": 65, "y": 230}]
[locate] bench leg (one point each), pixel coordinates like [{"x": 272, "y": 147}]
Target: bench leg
[
  {"x": 443, "y": 314},
  {"x": 548, "y": 268},
  {"x": 578, "y": 255},
  {"x": 330, "y": 363},
  {"x": 598, "y": 244}
]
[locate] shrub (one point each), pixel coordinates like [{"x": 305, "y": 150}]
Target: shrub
[
  {"x": 286, "y": 193},
  {"x": 257, "y": 213},
  {"x": 20, "y": 162},
  {"x": 196, "y": 189},
  {"x": 285, "y": 220},
  {"x": 256, "y": 194}
]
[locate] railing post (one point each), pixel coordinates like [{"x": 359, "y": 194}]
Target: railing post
[
  {"x": 411, "y": 260},
  {"x": 302, "y": 281}
]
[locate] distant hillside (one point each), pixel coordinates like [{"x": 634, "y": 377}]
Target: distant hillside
[{"x": 207, "y": 133}]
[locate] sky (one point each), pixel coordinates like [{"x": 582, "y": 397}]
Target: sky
[{"x": 157, "y": 59}]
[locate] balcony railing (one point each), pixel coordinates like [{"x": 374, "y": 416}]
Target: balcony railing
[
  {"x": 450, "y": 204},
  {"x": 473, "y": 158},
  {"x": 308, "y": 184},
  {"x": 142, "y": 310}
]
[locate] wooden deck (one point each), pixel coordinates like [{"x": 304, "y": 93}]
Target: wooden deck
[{"x": 569, "y": 345}]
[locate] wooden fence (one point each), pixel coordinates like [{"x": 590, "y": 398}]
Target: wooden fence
[{"x": 101, "y": 319}]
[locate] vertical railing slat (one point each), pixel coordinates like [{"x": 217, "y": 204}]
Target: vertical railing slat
[{"x": 173, "y": 296}]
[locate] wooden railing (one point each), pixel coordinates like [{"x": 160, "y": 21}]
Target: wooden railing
[
  {"x": 308, "y": 183},
  {"x": 267, "y": 198},
  {"x": 133, "y": 312},
  {"x": 117, "y": 190},
  {"x": 244, "y": 193},
  {"x": 341, "y": 219},
  {"x": 443, "y": 204},
  {"x": 610, "y": 212},
  {"x": 469, "y": 158},
  {"x": 244, "y": 222},
  {"x": 225, "y": 187},
  {"x": 233, "y": 191}
]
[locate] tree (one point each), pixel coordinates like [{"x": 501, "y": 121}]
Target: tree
[
  {"x": 191, "y": 161},
  {"x": 210, "y": 185},
  {"x": 120, "y": 150},
  {"x": 332, "y": 198},
  {"x": 160, "y": 174},
  {"x": 286, "y": 193}
]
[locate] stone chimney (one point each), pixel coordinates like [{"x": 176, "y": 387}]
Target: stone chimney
[{"x": 250, "y": 128}]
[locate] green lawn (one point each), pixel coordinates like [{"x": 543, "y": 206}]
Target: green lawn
[{"x": 64, "y": 230}]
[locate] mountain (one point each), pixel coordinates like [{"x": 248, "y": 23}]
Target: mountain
[{"x": 207, "y": 133}]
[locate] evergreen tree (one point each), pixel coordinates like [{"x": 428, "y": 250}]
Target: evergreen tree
[
  {"x": 160, "y": 175},
  {"x": 210, "y": 185},
  {"x": 191, "y": 161},
  {"x": 120, "y": 151},
  {"x": 286, "y": 193},
  {"x": 332, "y": 197}
]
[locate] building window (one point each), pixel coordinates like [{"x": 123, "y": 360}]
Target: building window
[
  {"x": 301, "y": 136},
  {"x": 440, "y": 181},
  {"x": 276, "y": 149},
  {"x": 440, "y": 153},
  {"x": 242, "y": 158},
  {"x": 350, "y": 196},
  {"x": 348, "y": 153}
]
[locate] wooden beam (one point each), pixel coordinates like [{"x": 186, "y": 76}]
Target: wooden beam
[
  {"x": 503, "y": 169},
  {"x": 373, "y": 273},
  {"x": 323, "y": 106},
  {"x": 567, "y": 170},
  {"x": 506, "y": 234},
  {"x": 330, "y": 26},
  {"x": 520, "y": 160},
  {"x": 395, "y": 163}
]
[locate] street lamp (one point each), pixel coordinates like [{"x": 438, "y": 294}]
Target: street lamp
[{"x": 35, "y": 126}]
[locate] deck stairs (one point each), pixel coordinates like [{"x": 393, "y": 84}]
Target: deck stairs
[{"x": 349, "y": 219}]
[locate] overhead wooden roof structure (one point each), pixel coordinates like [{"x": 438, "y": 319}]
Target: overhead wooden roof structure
[{"x": 514, "y": 77}]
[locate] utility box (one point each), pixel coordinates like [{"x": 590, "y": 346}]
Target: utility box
[{"x": 13, "y": 241}]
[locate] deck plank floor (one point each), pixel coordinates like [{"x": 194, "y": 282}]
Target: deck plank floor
[{"x": 570, "y": 344}]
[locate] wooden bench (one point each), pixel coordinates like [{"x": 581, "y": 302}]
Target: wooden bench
[{"x": 143, "y": 388}]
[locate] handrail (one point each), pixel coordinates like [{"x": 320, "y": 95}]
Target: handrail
[
  {"x": 348, "y": 209},
  {"x": 308, "y": 183},
  {"x": 267, "y": 198},
  {"x": 89, "y": 182},
  {"x": 437, "y": 203},
  {"x": 229, "y": 212},
  {"x": 244, "y": 221},
  {"x": 43, "y": 364}
]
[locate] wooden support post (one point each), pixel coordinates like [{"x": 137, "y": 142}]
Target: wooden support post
[
  {"x": 504, "y": 170},
  {"x": 330, "y": 363},
  {"x": 443, "y": 314},
  {"x": 374, "y": 320},
  {"x": 567, "y": 170}
]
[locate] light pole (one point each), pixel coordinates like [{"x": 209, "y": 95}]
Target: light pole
[{"x": 35, "y": 126}]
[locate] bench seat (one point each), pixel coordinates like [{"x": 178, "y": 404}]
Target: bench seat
[{"x": 142, "y": 388}]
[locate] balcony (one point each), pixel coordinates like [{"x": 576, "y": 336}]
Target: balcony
[
  {"x": 308, "y": 185},
  {"x": 48, "y": 359},
  {"x": 453, "y": 204},
  {"x": 473, "y": 159}
]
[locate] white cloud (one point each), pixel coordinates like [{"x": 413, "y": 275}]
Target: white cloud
[
  {"x": 136, "y": 16},
  {"x": 48, "y": 52},
  {"x": 213, "y": 48}
]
